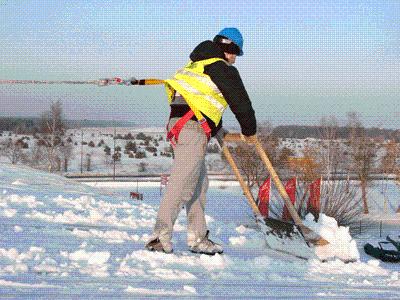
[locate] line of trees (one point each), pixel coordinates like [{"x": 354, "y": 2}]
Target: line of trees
[
  {"x": 51, "y": 150},
  {"x": 330, "y": 155}
]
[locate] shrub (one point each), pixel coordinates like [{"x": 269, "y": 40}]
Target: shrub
[
  {"x": 131, "y": 146},
  {"x": 142, "y": 167},
  {"x": 128, "y": 136},
  {"x": 101, "y": 143},
  {"x": 151, "y": 149},
  {"x": 140, "y": 155},
  {"x": 339, "y": 200},
  {"x": 107, "y": 150},
  {"x": 141, "y": 136}
]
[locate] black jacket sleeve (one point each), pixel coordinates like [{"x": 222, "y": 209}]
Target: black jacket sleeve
[{"x": 228, "y": 80}]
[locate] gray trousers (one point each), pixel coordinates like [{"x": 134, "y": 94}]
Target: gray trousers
[{"x": 187, "y": 185}]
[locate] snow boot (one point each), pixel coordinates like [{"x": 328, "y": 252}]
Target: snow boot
[
  {"x": 206, "y": 246},
  {"x": 156, "y": 245}
]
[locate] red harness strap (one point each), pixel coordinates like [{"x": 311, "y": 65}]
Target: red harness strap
[{"x": 173, "y": 134}]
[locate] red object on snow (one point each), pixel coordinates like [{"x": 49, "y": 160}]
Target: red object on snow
[
  {"x": 290, "y": 188},
  {"x": 263, "y": 197},
  {"x": 134, "y": 195},
  {"x": 314, "y": 201}
]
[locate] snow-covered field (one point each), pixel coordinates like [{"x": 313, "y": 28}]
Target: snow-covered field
[
  {"x": 96, "y": 139},
  {"x": 62, "y": 239}
]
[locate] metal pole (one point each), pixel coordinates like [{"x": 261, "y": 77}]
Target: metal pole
[
  {"x": 81, "y": 150},
  {"x": 114, "y": 157}
]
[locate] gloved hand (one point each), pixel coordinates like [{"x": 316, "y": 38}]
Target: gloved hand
[
  {"x": 220, "y": 136},
  {"x": 248, "y": 138}
]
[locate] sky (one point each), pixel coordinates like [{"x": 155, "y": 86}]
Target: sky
[{"x": 302, "y": 59}]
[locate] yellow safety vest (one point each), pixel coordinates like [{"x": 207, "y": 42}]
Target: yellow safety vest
[{"x": 199, "y": 91}]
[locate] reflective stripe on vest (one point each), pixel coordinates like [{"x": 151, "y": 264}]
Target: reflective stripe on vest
[{"x": 198, "y": 90}]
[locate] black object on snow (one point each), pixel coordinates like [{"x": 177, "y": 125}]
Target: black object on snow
[
  {"x": 381, "y": 253},
  {"x": 395, "y": 243}
]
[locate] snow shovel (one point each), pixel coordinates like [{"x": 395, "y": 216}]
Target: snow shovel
[{"x": 295, "y": 239}]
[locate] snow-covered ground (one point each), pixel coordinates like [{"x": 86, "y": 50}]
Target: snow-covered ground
[
  {"x": 62, "y": 239},
  {"x": 100, "y": 163}
]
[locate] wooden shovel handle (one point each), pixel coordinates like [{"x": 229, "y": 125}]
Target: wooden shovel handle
[
  {"x": 245, "y": 188},
  {"x": 309, "y": 235},
  {"x": 236, "y": 137}
]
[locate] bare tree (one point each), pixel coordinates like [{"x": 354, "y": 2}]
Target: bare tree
[
  {"x": 247, "y": 159},
  {"x": 36, "y": 157},
  {"x": 12, "y": 150},
  {"x": 66, "y": 153},
  {"x": 330, "y": 152},
  {"x": 88, "y": 162},
  {"x": 52, "y": 130},
  {"x": 308, "y": 167},
  {"x": 248, "y": 163},
  {"x": 363, "y": 154},
  {"x": 142, "y": 167},
  {"x": 390, "y": 158}
]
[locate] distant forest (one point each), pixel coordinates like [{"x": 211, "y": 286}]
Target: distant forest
[
  {"x": 302, "y": 132},
  {"x": 31, "y": 125}
]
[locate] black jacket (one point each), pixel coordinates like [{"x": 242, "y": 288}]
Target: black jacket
[{"x": 228, "y": 80}]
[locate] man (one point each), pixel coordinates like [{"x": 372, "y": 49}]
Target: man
[{"x": 198, "y": 95}]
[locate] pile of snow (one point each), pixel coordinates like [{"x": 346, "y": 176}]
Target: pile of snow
[
  {"x": 28, "y": 201},
  {"x": 241, "y": 229},
  {"x": 92, "y": 258},
  {"x": 241, "y": 240},
  {"x": 91, "y": 263},
  {"x": 87, "y": 210},
  {"x": 341, "y": 244},
  {"x": 110, "y": 236},
  {"x": 159, "y": 260},
  {"x": 12, "y": 261}
]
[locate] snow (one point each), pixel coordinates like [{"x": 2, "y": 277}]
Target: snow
[
  {"x": 9, "y": 213},
  {"x": 110, "y": 236},
  {"x": 241, "y": 240},
  {"x": 69, "y": 239},
  {"x": 185, "y": 291},
  {"x": 241, "y": 229},
  {"x": 156, "y": 260},
  {"x": 25, "y": 285},
  {"x": 341, "y": 245},
  {"x": 92, "y": 258},
  {"x": 17, "y": 228}
]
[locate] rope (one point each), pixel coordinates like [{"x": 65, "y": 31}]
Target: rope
[{"x": 99, "y": 82}]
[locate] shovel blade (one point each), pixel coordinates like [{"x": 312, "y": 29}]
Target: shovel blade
[{"x": 285, "y": 237}]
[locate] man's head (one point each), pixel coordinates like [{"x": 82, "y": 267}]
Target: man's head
[{"x": 230, "y": 40}]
